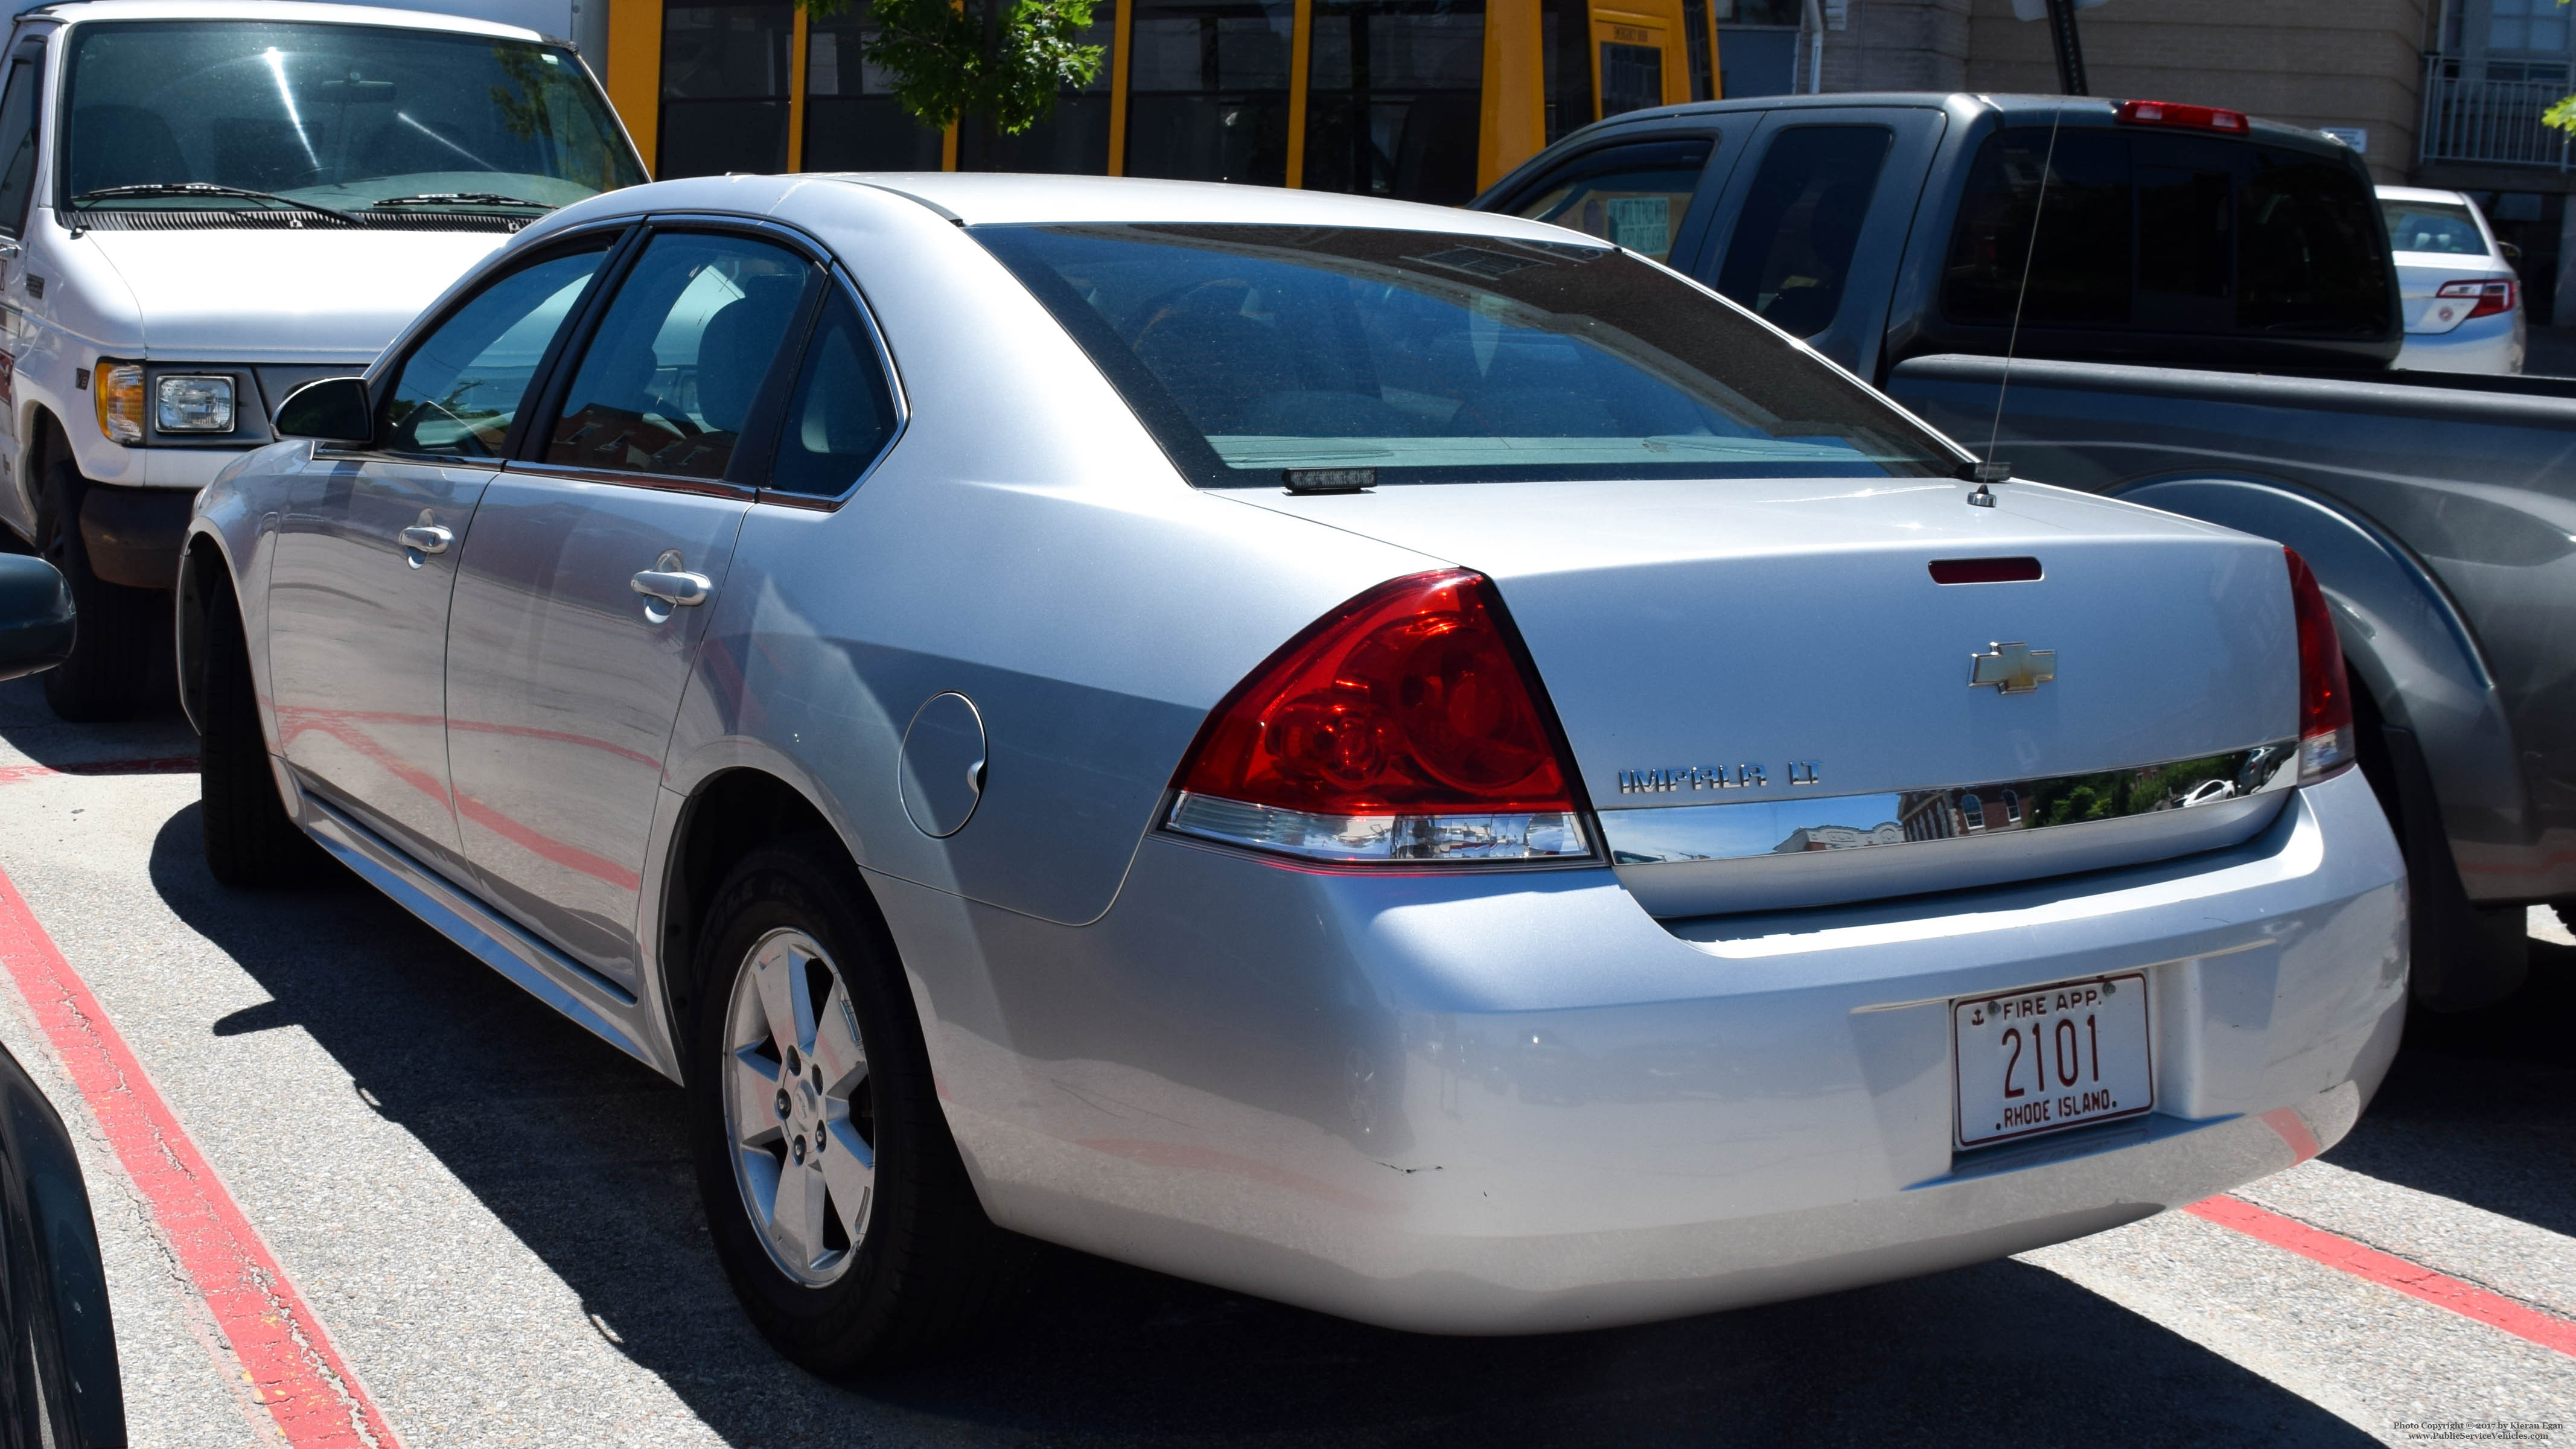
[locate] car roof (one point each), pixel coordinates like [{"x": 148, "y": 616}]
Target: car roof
[
  {"x": 2013, "y": 109},
  {"x": 2422, "y": 193},
  {"x": 85, "y": 11},
  {"x": 979, "y": 198}
]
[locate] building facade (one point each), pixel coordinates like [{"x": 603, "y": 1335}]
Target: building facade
[{"x": 1424, "y": 100}]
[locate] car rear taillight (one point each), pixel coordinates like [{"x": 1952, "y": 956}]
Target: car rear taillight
[
  {"x": 2325, "y": 695},
  {"x": 2174, "y": 113},
  {"x": 1401, "y": 727},
  {"x": 2493, "y": 295}
]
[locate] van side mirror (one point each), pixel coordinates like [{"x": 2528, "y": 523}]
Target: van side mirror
[
  {"x": 35, "y": 616},
  {"x": 328, "y": 410}
]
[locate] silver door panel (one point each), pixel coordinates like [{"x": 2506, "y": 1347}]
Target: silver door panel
[
  {"x": 357, "y": 629},
  {"x": 562, "y": 681}
]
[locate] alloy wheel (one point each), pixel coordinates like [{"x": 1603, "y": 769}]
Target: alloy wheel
[{"x": 799, "y": 1119}]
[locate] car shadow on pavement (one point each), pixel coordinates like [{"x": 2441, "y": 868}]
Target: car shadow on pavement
[
  {"x": 29, "y": 731},
  {"x": 579, "y": 1152},
  {"x": 2481, "y": 1106}
]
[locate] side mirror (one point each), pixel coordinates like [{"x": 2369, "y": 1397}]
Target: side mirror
[
  {"x": 35, "y": 616},
  {"x": 2511, "y": 252},
  {"x": 329, "y": 410}
]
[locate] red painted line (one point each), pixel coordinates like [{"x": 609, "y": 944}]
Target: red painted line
[
  {"x": 293, "y": 1370},
  {"x": 2388, "y": 1271}
]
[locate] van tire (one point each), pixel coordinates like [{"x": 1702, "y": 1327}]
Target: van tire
[
  {"x": 110, "y": 673},
  {"x": 241, "y": 818}
]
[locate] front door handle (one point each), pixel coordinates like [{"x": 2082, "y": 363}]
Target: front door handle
[{"x": 427, "y": 538}]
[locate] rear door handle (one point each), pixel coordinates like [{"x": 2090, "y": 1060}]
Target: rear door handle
[
  {"x": 423, "y": 539},
  {"x": 673, "y": 586}
]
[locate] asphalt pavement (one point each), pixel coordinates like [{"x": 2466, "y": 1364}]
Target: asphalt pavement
[{"x": 492, "y": 1214}]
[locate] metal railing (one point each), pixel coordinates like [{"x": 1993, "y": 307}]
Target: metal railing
[{"x": 2488, "y": 121}]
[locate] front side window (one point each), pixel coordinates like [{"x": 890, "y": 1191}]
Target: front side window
[
  {"x": 1428, "y": 357},
  {"x": 380, "y": 123},
  {"x": 18, "y": 139},
  {"x": 1793, "y": 245},
  {"x": 669, "y": 378},
  {"x": 459, "y": 390},
  {"x": 1632, "y": 196},
  {"x": 2428, "y": 226}
]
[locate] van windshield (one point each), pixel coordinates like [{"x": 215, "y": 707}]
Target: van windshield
[
  {"x": 382, "y": 123},
  {"x": 1425, "y": 357}
]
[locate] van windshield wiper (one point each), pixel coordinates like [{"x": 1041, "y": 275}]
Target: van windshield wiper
[
  {"x": 461, "y": 198},
  {"x": 209, "y": 189}
]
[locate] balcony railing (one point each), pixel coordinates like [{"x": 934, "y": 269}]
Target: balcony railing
[{"x": 2491, "y": 122}]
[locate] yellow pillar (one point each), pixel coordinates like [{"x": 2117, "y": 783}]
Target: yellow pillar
[
  {"x": 1126, "y": 26},
  {"x": 1514, "y": 126},
  {"x": 634, "y": 76},
  {"x": 796, "y": 95},
  {"x": 1301, "y": 49}
]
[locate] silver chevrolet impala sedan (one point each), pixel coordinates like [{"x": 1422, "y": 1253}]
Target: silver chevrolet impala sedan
[{"x": 1409, "y": 762}]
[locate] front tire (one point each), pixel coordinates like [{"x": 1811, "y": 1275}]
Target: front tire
[
  {"x": 120, "y": 632},
  {"x": 839, "y": 1206},
  {"x": 249, "y": 841}
]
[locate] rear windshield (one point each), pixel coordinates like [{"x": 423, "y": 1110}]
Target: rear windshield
[
  {"x": 2433, "y": 226},
  {"x": 1251, "y": 351},
  {"x": 2166, "y": 233}
]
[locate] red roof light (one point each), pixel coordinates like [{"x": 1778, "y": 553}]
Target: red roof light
[{"x": 2175, "y": 113}]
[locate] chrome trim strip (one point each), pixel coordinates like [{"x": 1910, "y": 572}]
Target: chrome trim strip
[{"x": 1801, "y": 825}]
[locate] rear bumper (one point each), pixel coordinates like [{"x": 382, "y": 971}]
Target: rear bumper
[
  {"x": 2485, "y": 344},
  {"x": 1515, "y": 1103}
]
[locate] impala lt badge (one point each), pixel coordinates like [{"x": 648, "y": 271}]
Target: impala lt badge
[
  {"x": 1714, "y": 777},
  {"x": 2012, "y": 668}
]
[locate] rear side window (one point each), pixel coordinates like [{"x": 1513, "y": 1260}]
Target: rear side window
[
  {"x": 1632, "y": 196},
  {"x": 1427, "y": 357},
  {"x": 1792, "y": 250},
  {"x": 2164, "y": 233},
  {"x": 841, "y": 414},
  {"x": 679, "y": 358}
]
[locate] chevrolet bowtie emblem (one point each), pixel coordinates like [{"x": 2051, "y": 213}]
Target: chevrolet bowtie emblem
[{"x": 2013, "y": 668}]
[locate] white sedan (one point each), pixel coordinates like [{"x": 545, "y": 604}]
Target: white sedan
[
  {"x": 2462, "y": 297},
  {"x": 1411, "y": 762}
]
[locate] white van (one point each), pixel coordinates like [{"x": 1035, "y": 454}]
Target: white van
[{"x": 204, "y": 204}]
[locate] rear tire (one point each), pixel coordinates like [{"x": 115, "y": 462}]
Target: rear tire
[
  {"x": 894, "y": 1258},
  {"x": 110, "y": 673},
  {"x": 249, "y": 841}
]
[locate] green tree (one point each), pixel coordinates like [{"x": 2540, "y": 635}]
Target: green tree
[{"x": 993, "y": 65}]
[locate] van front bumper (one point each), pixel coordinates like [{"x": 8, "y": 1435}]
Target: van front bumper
[{"x": 1512, "y": 1103}]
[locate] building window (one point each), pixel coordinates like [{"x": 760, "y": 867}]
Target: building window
[
  {"x": 852, "y": 121},
  {"x": 725, "y": 88},
  {"x": 1073, "y": 140},
  {"x": 2539, "y": 25},
  {"x": 1392, "y": 98},
  {"x": 1207, "y": 91}
]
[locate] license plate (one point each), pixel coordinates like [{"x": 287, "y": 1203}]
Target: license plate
[{"x": 2051, "y": 1057}]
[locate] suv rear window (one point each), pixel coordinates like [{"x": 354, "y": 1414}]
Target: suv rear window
[
  {"x": 2166, "y": 233},
  {"x": 1429, "y": 358}
]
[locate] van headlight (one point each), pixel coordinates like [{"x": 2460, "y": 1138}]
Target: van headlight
[{"x": 193, "y": 403}]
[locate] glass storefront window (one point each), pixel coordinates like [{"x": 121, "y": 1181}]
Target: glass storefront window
[
  {"x": 725, "y": 72},
  {"x": 1074, "y": 139},
  {"x": 1392, "y": 96},
  {"x": 1207, "y": 95},
  {"x": 852, "y": 121}
]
